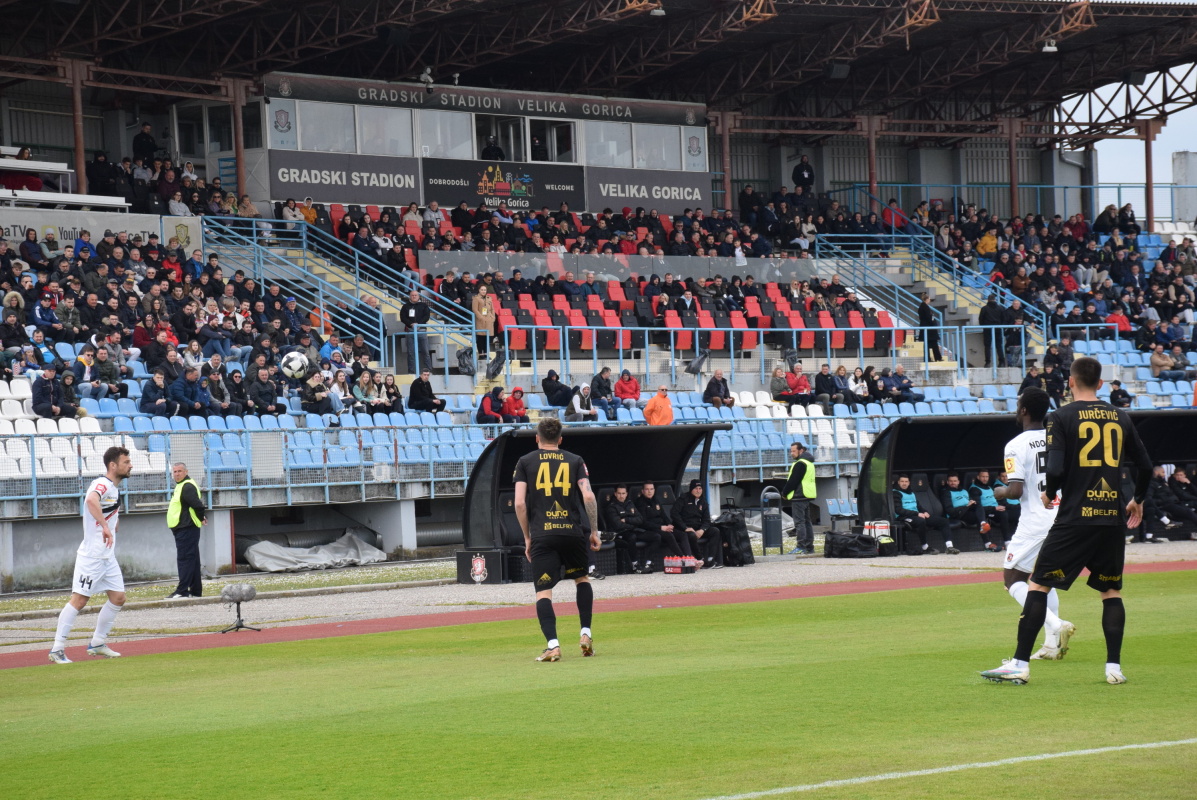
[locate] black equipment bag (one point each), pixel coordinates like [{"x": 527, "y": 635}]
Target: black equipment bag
[
  {"x": 791, "y": 357},
  {"x": 696, "y": 366},
  {"x": 849, "y": 545},
  {"x": 495, "y": 366},
  {"x": 465, "y": 361},
  {"x": 738, "y": 552}
]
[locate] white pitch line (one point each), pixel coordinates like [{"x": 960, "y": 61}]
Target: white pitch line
[{"x": 890, "y": 776}]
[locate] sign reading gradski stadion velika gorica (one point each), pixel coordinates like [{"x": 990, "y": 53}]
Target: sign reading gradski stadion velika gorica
[
  {"x": 344, "y": 177},
  {"x": 471, "y": 99}
]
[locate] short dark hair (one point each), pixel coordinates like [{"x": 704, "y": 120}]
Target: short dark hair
[
  {"x": 1086, "y": 372},
  {"x": 799, "y": 445},
  {"x": 549, "y": 431},
  {"x": 1036, "y": 402},
  {"x": 619, "y": 486},
  {"x": 113, "y": 455}
]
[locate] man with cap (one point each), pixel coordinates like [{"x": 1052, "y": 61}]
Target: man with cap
[
  {"x": 45, "y": 320},
  {"x": 47, "y": 396},
  {"x": 104, "y": 248},
  {"x": 691, "y": 515},
  {"x": 799, "y": 489},
  {"x": 1119, "y": 397}
]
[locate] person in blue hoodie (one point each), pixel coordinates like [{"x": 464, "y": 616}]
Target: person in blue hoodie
[{"x": 192, "y": 397}]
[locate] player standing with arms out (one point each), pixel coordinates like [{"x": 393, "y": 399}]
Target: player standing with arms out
[
  {"x": 1026, "y": 459},
  {"x": 552, "y": 491},
  {"x": 1087, "y": 442},
  {"x": 96, "y": 569}
]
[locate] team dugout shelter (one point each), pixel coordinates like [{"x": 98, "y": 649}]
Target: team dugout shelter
[
  {"x": 927, "y": 448},
  {"x": 631, "y": 455}
]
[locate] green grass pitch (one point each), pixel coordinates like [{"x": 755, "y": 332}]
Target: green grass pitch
[{"x": 680, "y": 703}]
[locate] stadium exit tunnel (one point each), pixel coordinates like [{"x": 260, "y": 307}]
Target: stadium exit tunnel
[{"x": 964, "y": 443}]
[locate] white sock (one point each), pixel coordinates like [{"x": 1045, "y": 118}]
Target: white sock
[
  {"x": 1165, "y": 520},
  {"x": 1021, "y": 664},
  {"x": 1113, "y": 667},
  {"x": 926, "y": 547},
  {"x": 585, "y": 632},
  {"x": 947, "y": 543},
  {"x": 1051, "y": 624},
  {"x": 66, "y": 621},
  {"x": 106, "y": 617},
  {"x": 553, "y": 643}
]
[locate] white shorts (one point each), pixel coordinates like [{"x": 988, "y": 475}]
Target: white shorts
[
  {"x": 1022, "y": 553},
  {"x": 94, "y": 575}
]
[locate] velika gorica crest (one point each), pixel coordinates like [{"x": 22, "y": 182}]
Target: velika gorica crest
[
  {"x": 694, "y": 147},
  {"x": 282, "y": 121},
  {"x": 478, "y": 568}
]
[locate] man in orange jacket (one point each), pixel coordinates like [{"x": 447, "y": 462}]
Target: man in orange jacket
[{"x": 659, "y": 410}]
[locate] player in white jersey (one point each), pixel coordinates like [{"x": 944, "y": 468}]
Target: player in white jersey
[
  {"x": 96, "y": 569},
  {"x": 1026, "y": 460}
]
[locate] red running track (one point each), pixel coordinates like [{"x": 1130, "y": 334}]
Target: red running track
[{"x": 324, "y": 630}]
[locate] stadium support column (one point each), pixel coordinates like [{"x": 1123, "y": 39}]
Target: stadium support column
[
  {"x": 7, "y": 560},
  {"x": 724, "y": 121},
  {"x": 76, "y": 73},
  {"x": 870, "y": 126},
  {"x": 1011, "y": 127},
  {"x": 1149, "y": 129},
  {"x": 216, "y": 542},
  {"x": 236, "y": 95}
]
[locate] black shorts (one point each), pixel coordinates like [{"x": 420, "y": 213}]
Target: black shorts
[
  {"x": 1069, "y": 549},
  {"x": 552, "y": 552}
]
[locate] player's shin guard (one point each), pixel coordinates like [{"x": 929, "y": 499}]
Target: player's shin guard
[
  {"x": 104, "y": 621},
  {"x": 548, "y": 620},
  {"x": 1113, "y": 623},
  {"x": 66, "y": 621},
  {"x": 585, "y": 603},
  {"x": 1030, "y": 623}
]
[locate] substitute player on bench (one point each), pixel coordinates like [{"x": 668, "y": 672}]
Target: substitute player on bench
[
  {"x": 1026, "y": 458},
  {"x": 552, "y": 488},
  {"x": 1087, "y": 441},
  {"x": 96, "y": 569}
]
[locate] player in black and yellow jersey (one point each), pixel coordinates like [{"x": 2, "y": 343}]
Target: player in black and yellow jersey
[
  {"x": 552, "y": 492},
  {"x": 1087, "y": 443}
]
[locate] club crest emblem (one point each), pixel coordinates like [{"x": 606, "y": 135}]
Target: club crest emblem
[
  {"x": 284, "y": 88},
  {"x": 689, "y": 116},
  {"x": 694, "y": 147},
  {"x": 478, "y": 568},
  {"x": 184, "y": 235},
  {"x": 282, "y": 121}
]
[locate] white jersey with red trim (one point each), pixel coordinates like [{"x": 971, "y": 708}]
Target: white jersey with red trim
[
  {"x": 1026, "y": 461},
  {"x": 110, "y": 504}
]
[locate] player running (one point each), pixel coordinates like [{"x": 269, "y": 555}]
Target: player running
[
  {"x": 1026, "y": 457},
  {"x": 550, "y": 514},
  {"x": 1087, "y": 442},
  {"x": 96, "y": 569}
]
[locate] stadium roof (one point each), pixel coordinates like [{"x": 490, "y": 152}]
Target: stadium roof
[{"x": 810, "y": 59}]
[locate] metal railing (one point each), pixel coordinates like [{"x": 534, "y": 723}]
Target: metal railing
[
  {"x": 851, "y": 347},
  {"x": 852, "y": 254}
]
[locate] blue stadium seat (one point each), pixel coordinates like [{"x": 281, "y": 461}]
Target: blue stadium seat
[
  {"x": 234, "y": 423},
  {"x": 1153, "y": 387},
  {"x": 179, "y": 424},
  {"x": 908, "y": 410},
  {"x": 956, "y": 407},
  {"x": 427, "y": 418},
  {"x": 1143, "y": 374},
  {"x": 287, "y": 422},
  {"x": 252, "y": 422},
  {"x": 396, "y": 419},
  {"x": 874, "y": 409},
  {"x": 142, "y": 424},
  {"x": 962, "y": 393},
  {"x": 685, "y": 413},
  {"x": 1168, "y": 387},
  {"x": 922, "y": 409},
  {"x": 938, "y": 407},
  {"x": 155, "y": 443},
  {"x": 363, "y": 420},
  {"x": 299, "y": 458},
  {"x": 139, "y": 371},
  {"x": 197, "y": 423},
  {"x": 381, "y": 419},
  {"x": 623, "y": 415},
  {"x": 365, "y": 437},
  {"x": 1181, "y": 401},
  {"x": 348, "y": 420},
  {"x": 217, "y": 423},
  {"x": 123, "y": 425},
  {"x": 381, "y": 436},
  {"x": 269, "y": 422},
  {"x": 534, "y": 401},
  {"x": 65, "y": 352},
  {"x": 443, "y": 418},
  {"x": 841, "y": 410},
  {"x": 107, "y": 409},
  {"x": 212, "y": 441},
  {"x": 929, "y": 393},
  {"x": 231, "y": 441},
  {"x": 1144, "y": 402},
  {"x": 990, "y": 392},
  {"x": 336, "y": 456},
  {"x": 162, "y": 424}
]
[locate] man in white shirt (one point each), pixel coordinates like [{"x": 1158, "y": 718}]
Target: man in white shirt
[{"x": 96, "y": 569}]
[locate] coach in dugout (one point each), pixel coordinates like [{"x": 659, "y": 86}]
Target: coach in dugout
[{"x": 185, "y": 515}]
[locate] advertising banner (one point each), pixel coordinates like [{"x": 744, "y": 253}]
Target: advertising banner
[
  {"x": 523, "y": 187},
  {"x": 489, "y": 101},
  {"x": 66, "y": 225},
  {"x": 670, "y": 193},
  {"x": 344, "y": 178}
]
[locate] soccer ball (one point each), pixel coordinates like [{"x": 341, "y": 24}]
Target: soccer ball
[{"x": 294, "y": 365}]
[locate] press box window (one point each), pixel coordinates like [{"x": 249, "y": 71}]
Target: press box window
[
  {"x": 445, "y": 134},
  {"x": 658, "y": 147},
  {"x": 384, "y": 131},
  {"x": 326, "y": 127},
  {"x": 552, "y": 141},
  {"x": 608, "y": 144},
  {"x": 508, "y": 133}
]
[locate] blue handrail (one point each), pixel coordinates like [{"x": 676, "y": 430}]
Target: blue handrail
[{"x": 852, "y": 252}]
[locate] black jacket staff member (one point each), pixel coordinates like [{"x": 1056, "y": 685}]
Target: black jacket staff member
[
  {"x": 185, "y": 515},
  {"x": 552, "y": 491},
  {"x": 692, "y": 517}
]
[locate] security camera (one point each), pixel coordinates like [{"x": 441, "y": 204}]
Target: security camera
[
  {"x": 426, "y": 79},
  {"x": 456, "y": 76},
  {"x": 1050, "y": 46}
]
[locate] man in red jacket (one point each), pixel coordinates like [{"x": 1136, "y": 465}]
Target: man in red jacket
[{"x": 627, "y": 391}]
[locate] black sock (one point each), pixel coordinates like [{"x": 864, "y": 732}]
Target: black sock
[
  {"x": 585, "y": 603},
  {"x": 1113, "y": 623},
  {"x": 1034, "y": 612},
  {"x": 548, "y": 620}
]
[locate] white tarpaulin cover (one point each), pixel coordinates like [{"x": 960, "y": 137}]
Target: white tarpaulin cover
[{"x": 346, "y": 551}]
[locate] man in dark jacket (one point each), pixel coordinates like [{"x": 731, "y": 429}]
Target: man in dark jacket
[
  {"x": 826, "y": 393},
  {"x": 47, "y": 396},
  {"x": 602, "y": 393},
  {"x": 717, "y": 392},
  {"x": 915, "y": 518},
  {"x": 556, "y": 393},
  {"x": 421, "y": 396},
  {"x": 655, "y": 520},
  {"x": 154, "y": 397},
  {"x": 993, "y": 314},
  {"x": 314, "y": 396},
  {"x": 185, "y": 515},
  {"x": 958, "y": 505},
  {"x": 415, "y": 312},
  {"x": 1166, "y": 503},
  {"x": 692, "y": 515},
  {"x": 981, "y": 491},
  {"x": 623, "y": 518},
  {"x": 264, "y": 393},
  {"x": 804, "y": 175},
  {"x": 192, "y": 398}
]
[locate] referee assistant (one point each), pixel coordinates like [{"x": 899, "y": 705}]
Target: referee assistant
[
  {"x": 185, "y": 515},
  {"x": 552, "y": 491},
  {"x": 1087, "y": 444}
]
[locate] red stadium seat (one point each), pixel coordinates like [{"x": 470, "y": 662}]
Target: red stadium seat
[
  {"x": 884, "y": 320},
  {"x": 746, "y": 340}
]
